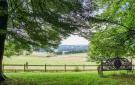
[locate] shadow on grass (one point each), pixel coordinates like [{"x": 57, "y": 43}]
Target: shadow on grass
[
  {"x": 123, "y": 76},
  {"x": 14, "y": 82},
  {"x": 9, "y": 82},
  {"x": 118, "y": 75}
]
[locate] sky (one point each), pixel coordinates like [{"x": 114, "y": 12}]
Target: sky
[{"x": 74, "y": 40}]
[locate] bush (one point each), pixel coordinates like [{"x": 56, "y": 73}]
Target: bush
[{"x": 77, "y": 69}]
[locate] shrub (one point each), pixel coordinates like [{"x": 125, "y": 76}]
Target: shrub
[{"x": 77, "y": 69}]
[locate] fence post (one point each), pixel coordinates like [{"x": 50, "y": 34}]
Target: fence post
[
  {"x": 24, "y": 68},
  {"x": 45, "y": 67},
  {"x": 83, "y": 67},
  {"x": 26, "y": 65},
  {"x": 3, "y": 67},
  {"x": 65, "y": 68}
]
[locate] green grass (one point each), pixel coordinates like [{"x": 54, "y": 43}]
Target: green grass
[
  {"x": 63, "y": 78},
  {"x": 70, "y": 78}
]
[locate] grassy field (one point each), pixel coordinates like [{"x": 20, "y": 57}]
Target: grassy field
[
  {"x": 41, "y": 59},
  {"x": 71, "y": 78},
  {"x": 50, "y": 59},
  {"x": 63, "y": 78}
]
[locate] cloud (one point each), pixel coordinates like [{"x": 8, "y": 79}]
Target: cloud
[{"x": 74, "y": 40}]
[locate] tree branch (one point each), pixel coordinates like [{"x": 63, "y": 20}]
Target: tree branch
[{"x": 100, "y": 20}]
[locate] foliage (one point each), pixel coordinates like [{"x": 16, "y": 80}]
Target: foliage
[
  {"x": 40, "y": 23},
  {"x": 115, "y": 39},
  {"x": 105, "y": 44},
  {"x": 37, "y": 22},
  {"x": 16, "y": 48}
]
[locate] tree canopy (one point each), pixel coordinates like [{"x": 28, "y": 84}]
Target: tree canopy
[
  {"x": 116, "y": 37},
  {"x": 36, "y": 23},
  {"x": 28, "y": 23},
  {"x": 40, "y": 23}
]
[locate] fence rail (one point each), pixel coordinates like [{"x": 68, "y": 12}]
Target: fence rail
[{"x": 45, "y": 67}]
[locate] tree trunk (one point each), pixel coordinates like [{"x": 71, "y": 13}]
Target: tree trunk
[{"x": 3, "y": 29}]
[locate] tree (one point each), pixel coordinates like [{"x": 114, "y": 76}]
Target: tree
[
  {"x": 108, "y": 43},
  {"x": 34, "y": 23},
  {"x": 3, "y": 28},
  {"x": 115, "y": 38}
]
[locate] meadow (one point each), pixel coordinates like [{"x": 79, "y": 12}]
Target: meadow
[
  {"x": 70, "y": 78},
  {"x": 63, "y": 78},
  {"x": 49, "y": 59}
]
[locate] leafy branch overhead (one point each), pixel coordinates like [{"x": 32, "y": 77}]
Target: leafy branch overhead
[
  {"x": 45, "y": 22},
  {"x": 40, "y": 20},
  {"x": 115, "y": 39}
]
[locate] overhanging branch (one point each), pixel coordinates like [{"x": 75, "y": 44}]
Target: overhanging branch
[{"x": 100, "y": 20}]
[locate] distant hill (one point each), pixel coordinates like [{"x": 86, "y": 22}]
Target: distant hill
[
  {"x": 66, "y": 49},
  {"x": 71, "y": 48}
]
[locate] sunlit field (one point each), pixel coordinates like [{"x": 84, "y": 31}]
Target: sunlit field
[{"x": 50, "y": 59}]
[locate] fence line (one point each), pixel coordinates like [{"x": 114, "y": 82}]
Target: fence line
[{"x": 45, "y": 67}]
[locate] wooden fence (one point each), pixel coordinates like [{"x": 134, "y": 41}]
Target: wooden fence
[{"x": 46, "y": 68}]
